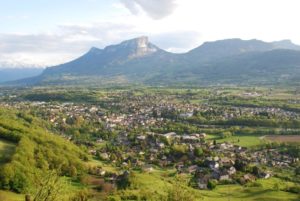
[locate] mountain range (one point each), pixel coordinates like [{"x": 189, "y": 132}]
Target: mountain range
[{"x": 230, "y": 61}]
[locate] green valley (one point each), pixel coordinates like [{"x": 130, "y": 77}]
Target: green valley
[{"x": 148, "y": 143}]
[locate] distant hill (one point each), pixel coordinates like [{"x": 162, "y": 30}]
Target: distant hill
[
  {"x": 11, "y": 74},
  {"x": 231, "y": 61}
]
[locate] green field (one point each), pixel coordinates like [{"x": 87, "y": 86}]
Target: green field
[
  {"x": 6, "y": 150},
  {"x": 241, "y": 140},
  {"x": 10, "y": 196},
  {"x": 252, "y": 140},
  {"x": 239, "y": 193}
]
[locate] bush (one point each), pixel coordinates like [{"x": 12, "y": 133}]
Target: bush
[
  {"x": 226, "y": 134},
  {"x": 82, "y": 195},
  {"x": 179, "y": 149},
  {"x": 254, "y": 184},
  {"x": 124, "y": 180},
  {"x": 212, "y": 184},
  {"x": 198, "y": 152},
  {"x": 293, "y": 189},
  {"x": 297, "y": 170},
  {"x": 179, "y": 193}
]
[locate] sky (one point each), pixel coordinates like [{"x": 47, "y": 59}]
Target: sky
[{"x": 49, "y": 32}]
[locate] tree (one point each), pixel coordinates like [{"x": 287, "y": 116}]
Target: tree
[
  {"x": 179, "y": 149},
  {"x": 198, "y": 152},
  {"x": 226, "y": 134},
  {"x": 256, "y": 171},
  {"x": 124, "y": 180},
  {"x": 178, "y": 191},
  {"x": 82, "y": 195},
  {"x": 49, "y": 187},
  {"x": 297, "y": 170},
  {"x": 72, "y": 171},
  {"x": 211, "y": 184},
  {"x": 27, "y": 198}
]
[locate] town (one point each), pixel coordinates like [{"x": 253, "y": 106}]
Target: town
[{"x": 197, "y": 134}]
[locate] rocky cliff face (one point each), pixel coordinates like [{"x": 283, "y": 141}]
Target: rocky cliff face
[
  {"x": 142, "y": 47},
  {"x": 134, "y": 48}
]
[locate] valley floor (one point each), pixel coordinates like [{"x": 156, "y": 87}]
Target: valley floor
[{"x": 117, "y": 144}]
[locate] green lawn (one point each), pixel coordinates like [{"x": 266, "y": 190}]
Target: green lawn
[
  {"x": 70, "y": 188},
  {"x": 6, "y": 150},
  {"x": 105, "y": 166},
  {"x": 239, "y": 193},
  {"x": 242, "y": 140},
  {"x": 9, "y": 196}
]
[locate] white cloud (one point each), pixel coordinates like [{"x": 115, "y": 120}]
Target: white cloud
[
  {"x": 28, "y": 59},
  {"x": 71, "y": 41},
  {"x": 156, "y": 9},
  {"x": 67, "y": 43},
  {"x": 177, "y": 41}
]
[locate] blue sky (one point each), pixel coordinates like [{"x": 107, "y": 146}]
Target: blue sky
[
  {"x": 31, "y": 16},
  {"x": 50, "y": 32}
]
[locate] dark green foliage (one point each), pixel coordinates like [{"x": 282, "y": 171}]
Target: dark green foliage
[
  {"x": 25, "y": 116},
  {"x": 240, "y": 165},
  {"x": 82, "y": 195},
  {"x": 256, "y": 171},
  {"x": 293, "y": 189},
  {"x": 179, "y": 192},
  {"x": 179, "y": 150},
  {"x": 226, "y": 134},
  {"x": 73, "y": 95},
  {"x": 123, "y": 181},
  {"x": 177, "y": 127},
  {"x": 297, "y": 170},
  {"x": 212, "y": 184},
  {"x": 198, "y": 152},
  {"x": 293, "y": 150}
]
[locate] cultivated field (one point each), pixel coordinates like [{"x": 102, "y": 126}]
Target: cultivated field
[{"x": 284, "y": 138}]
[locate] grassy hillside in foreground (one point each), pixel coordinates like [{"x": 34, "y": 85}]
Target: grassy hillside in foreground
[
  {"x": 159, "y": 184},
  {"x": 37, "y": 153}
]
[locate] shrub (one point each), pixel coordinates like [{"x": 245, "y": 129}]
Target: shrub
[
  {"x": 212, "y": 184},
  {"x": 226, "y": 134}
]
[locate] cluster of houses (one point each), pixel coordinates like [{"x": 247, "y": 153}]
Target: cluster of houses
[
  {"x": 143, "y": 111},
  {"x": 218, "y": 161}
]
